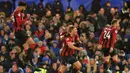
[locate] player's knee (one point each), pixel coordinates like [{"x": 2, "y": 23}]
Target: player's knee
[
  {"x": 78, "y": 65},
  {"x": 61, "y": 69},
  {"x": 30, "y": 41}
]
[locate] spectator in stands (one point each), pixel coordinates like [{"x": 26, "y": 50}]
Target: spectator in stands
[
  {"x": 126, "y": 69},
  {"x": 125, "y": 10},
  {"x": 111, "y": 16},
  {"x": 2, "y": 69},
  {"x": 6, "y": 6},
  {"x": 40, "y": 32},
  {"x": 45, "y": 44},
  {"x": 15, "y": 69},
  {"x": 42, "y": 68},
  {"x": 92, "y": 36},
  {"x": 90, "y": 25},
  {"x": 123, "y": 26},
  {"x": 2, "y": 20},
  {"x": 77, "y": 13},
  {"x": 123, "y": 64},
  {"x": 100, "y": 69},
  {"x": 2, "y": 33},
  {"x": 55, "y": 48},
  {"x": 83, "y": 27},
  {"x": 67, "y": 18},
  {"x": 57, "y": 38},
  {"x": 4, "y": 51},
  {"x": 41, "y": 3},
  {"x": 84, "y": 39},
  {"x": 48, "y": 15},
  {"x": 28, "y": 69},
  {"x": 58, "y": 7},
  {"x": 101, "y": 21},
  {"x": 48, "y": 7},
  {"x": 33, "y": 8},
  {"x": 129, "y": 62},
  {"x": 91, "y": 67},
  {"x": 54, "y": 68},
  {"x": 117, "y": 70},
  {"x": 96, "y": 6},
  {"x": 83, "y": 10},
  {"x": 107, "y": 8},
  {"x": 40, "y": 9},
  {"x": 41, "y": 47},
  {"x": 34, "y": 61}
]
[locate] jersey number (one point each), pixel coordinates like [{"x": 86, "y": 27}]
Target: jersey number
[{"x": 107, "y": 35}]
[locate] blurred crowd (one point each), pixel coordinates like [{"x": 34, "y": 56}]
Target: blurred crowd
[{"x": 45, "y": 26}]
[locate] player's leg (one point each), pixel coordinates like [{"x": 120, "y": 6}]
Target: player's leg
[
  {"x": 31, "y": 43},
  {"x": 115, "y": 58},
  {"x": 63, "y": 65},
  {"x": 106, "y": 58},
  {"x": 76, "y": 64},
  {"x": 62, "y": 68},
  {"x": 25, "y": 46},
  {"x": 26, "y": 41}
]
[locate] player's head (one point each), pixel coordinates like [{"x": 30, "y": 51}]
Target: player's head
[
  {"x": 22, "y": 6},
  {"x": 115, "y": 23},
  {"x": 72, "y": 30}
]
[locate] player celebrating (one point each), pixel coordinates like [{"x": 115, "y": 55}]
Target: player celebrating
[
  {"x": 69, "y": 50},
  {"x": 19, "y": 21},
  {"x": 107, "y": 41}
]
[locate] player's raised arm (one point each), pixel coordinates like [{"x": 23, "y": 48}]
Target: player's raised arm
[{"x": 70, "y": 45}]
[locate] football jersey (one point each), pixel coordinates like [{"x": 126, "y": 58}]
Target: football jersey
[
  {"x": 19, "y": 21},
  {"x": 66, "y": 51},
  {"x": 108, "y": 37}
]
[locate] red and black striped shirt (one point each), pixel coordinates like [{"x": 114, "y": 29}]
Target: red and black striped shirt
[
  {"x": 108, "y": 37},
  {"x": 66, "y": 51},
  {"x": 19, "y": 21}
]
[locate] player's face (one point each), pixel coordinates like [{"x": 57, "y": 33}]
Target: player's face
[
  {"x": 117, "y": 25},
  {"x": 75, "y": 31}
]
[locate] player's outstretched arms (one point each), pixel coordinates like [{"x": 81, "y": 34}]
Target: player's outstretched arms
[{"x": 70, "y": 45}]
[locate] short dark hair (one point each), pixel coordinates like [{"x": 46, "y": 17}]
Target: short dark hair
[
  {"x": 22, "y": 4},
  {"x": 108, "y": 2},
  {"x": 71, "y": 28},
  {"x": 114, "y": 21}
]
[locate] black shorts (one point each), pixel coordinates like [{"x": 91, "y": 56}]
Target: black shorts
[
  {"x": 68, "y": 60},
  {"x": 21, "y": 37},
  {"x": 107, "y": 53}
]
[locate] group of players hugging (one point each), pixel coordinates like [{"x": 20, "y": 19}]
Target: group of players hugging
[{"x": 106, "y": 41}]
